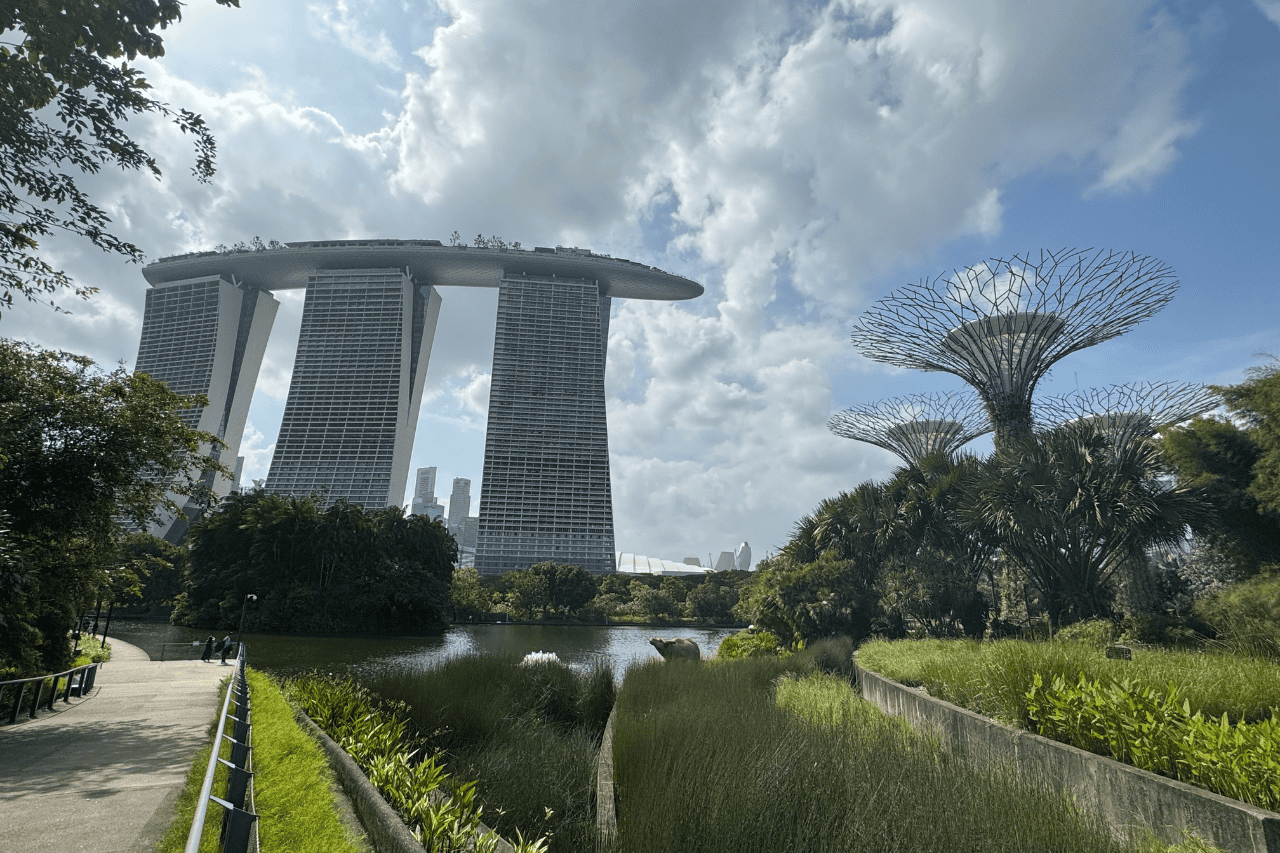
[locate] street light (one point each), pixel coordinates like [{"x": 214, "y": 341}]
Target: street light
[{"x": 243, "y": 609}]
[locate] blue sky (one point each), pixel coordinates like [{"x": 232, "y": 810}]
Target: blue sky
[{"x": 800, "y": 160}]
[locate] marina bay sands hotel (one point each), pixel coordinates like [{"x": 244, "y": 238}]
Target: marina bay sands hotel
[{"x": 368, "y": 321}]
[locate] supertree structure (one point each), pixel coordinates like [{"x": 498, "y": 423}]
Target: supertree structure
[
  {"x": 1128, "y": 412},
  {"x": 1001, "y": 324},
  {"x": 917, "y": 426}
]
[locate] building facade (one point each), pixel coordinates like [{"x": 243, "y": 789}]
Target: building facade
[
  {"x": 547, "y": 494},
  {"x": 368, "y": 322},
  {"x": 357, "y": 387},
  {"x": 459, "y": 505},
  {"x": 206, "y": 336}
]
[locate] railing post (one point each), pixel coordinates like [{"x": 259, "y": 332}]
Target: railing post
[
  {"x": 237, "y": 824},
  {"x": 35, "y": 704}
]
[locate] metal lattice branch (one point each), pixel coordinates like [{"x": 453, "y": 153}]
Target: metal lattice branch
[
  {"x": 1000, "y": 325},
  {"x": 914, "y": 427},
  {"x": 1128, "y": 412}
]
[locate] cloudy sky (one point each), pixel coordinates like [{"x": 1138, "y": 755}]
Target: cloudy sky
[{"x": 801, "y": 160}]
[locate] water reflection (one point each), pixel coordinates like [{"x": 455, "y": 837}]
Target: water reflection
[{"x": 363, "y": 656}]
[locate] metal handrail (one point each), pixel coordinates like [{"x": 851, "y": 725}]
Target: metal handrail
[
  {"x": 206, "y": 789},
  {"x": 88, "y": 673}
]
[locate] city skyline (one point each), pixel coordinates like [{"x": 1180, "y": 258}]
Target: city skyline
[{"x": 801, "y": 160}]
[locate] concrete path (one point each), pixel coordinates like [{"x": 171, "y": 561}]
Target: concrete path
[{"x": 103, "y": 774}]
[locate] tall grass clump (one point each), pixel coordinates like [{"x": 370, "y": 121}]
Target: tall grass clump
[
  {"x": 440, "y": 811},
  {"x": 994, "y": 678},
  {"x": 528, "y": 734},
  {"x": 710, "y": 758}
]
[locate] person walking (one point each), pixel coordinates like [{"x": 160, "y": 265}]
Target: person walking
[
  {"x": 208, "y": 649},
  {"x": 226, "y": 647}
]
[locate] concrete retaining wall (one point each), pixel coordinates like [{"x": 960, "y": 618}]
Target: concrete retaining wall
[
  {"x": 606, "y": 805},
  {"x": 1124, "y": 796},
  {"x": 385, "y": 828}
]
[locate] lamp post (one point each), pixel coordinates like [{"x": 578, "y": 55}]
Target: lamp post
[{"x": 244, "y": 609}]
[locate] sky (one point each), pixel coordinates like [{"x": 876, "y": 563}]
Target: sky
[{"x": 800, "y": 160}]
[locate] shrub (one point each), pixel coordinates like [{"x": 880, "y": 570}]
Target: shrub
[
  {"x": 1095, "y": 633},
  {"x": 750, "y": 644},
  {"x": 1246, "y": 616}
]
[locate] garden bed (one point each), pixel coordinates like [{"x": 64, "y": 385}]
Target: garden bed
[{"x": 763, "y": 754}]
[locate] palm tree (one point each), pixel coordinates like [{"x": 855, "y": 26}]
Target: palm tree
[{"x": 1070, "y": 507}]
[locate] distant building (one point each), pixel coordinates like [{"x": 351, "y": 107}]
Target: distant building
[
  {"x": 692, "y": 561},
  {"x": 424, "y": 495},
  {"x": 633, "y": 564},
  {"x": 742, "y": 558},
  {"x": 459, "y": 504},
  {"x": 724, "y": 563}
]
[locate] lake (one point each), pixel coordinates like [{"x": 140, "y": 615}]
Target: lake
[{"x": 576, "y": 645}]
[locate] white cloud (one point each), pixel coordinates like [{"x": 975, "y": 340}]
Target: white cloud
[
  {"x": 1270, "y": 8},
  {"x": 785, "y": 156}
]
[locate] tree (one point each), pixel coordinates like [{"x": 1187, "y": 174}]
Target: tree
[
  {"x": 80, "y": 451},
  {"x": 1257, "y": 402},
  {"x": 467, "y": 594},
  {"x": 1219, "y": 459},
  {"x": 805, "y": 601},
  {"x": 68, "y": 96},
  {"x": 335, "y": 569},
  {"x": 1070, "y": 508}
]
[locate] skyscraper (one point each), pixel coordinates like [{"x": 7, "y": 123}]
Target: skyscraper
[
  {"x": 424, "y": 492},
  {"x": 459, "y": 504},
  {"x": 357, "y": 387},
  {"x": 546, "y": 457},
  {"x": 206, "y": 336},
  {"x": 367, "y": 328}
]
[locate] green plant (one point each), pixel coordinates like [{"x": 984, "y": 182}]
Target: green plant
[
  {"x": 1156, "y": 730},
  {"x": 751, "y": 644},
  {"x": 528, "y": 735},
  {"x": 763, "y": 754},
  {"x": 440, "y": 812}
]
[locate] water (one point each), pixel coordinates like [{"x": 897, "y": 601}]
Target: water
[{"x": 282, "y": 655}]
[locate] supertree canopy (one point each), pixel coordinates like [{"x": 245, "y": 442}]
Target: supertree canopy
[
  {"x": 914, "y": 427},
  {"x": 1000, "y": 325},
  {"x": 1128, "y": 412}
]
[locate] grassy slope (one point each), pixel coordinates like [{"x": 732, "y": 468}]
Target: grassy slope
[{"x": 294, "y": 788}]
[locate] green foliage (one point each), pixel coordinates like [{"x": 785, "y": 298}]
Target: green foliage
[
  {"x": 316, "y": 570},
  {"x": 158, "y": 566},
  {"x": 759, "y": 754},
  {"x": 467, "y": 593},
  {"x": 440, "y": 812},
  {"x": 1094, "y": 633},
  {"x": 1257, "y": 400},
  {"x": 80, "y": 451},
  {"x": 751, "y": 644},
  {"x": 804, "y": 601},
  {"x": 993, "y": 678},
  {"x": 68, "y": 96},
  {"x": 1217, "y": 459},
  {"x": 1070, "y": 507},
  {"x": 1246, "y": 615},
  {"x": 528, "y": 735},
  {"x": 1154, "y": 729}
]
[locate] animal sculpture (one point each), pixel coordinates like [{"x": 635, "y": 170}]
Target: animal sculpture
[{"x": 680, "y": 648}]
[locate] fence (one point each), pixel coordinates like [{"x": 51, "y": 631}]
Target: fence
[
  {"x": 79, "y": 682},
  {"x": 239, "y": 824}
]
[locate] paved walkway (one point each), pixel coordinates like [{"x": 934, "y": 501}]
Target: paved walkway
[{"x": 103, "y": 774}]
